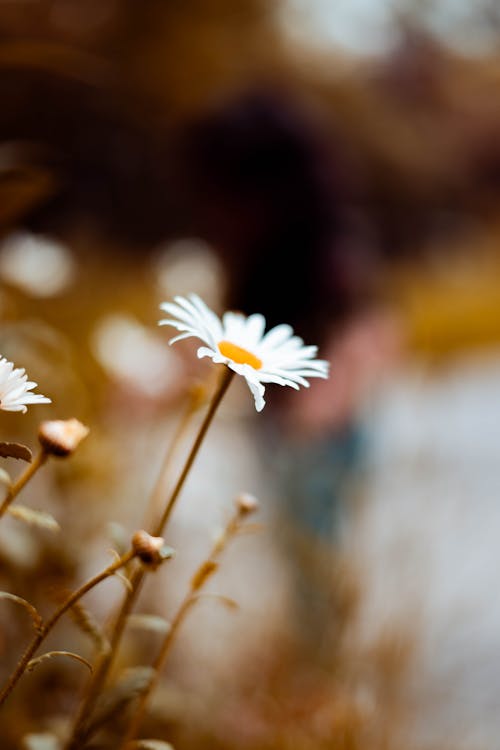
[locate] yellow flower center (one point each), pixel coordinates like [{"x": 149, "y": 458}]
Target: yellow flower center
[{"x": 239, "y": 355}]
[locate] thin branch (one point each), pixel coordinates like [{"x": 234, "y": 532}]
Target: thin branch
[
  {"x": 101, "y": 671},
  {"x": 25, "y": 477},
  {"x": 32, "y": 611},
  {"x": 44, "y": 629},
  {"x": 33, "y": 663}
]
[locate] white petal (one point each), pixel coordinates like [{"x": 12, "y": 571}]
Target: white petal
[
  {"x": 14, "y": 393},
  {"x": 194, "y": 317},
  {"x": 286, "y": 361},
  {"x": 276, "y": 336},
  {"x": 15, "y": 388},
  {"x": 258, "y": 391},
  {"x": 204, "y": 351},
  {"x": 179, "y": 338},
  {"x": 243, "y": 370},
  {"x": 177, "y": 310},
  {"x": 234, "y": 328},
  {"x": 15, "y": 407},
  {"x": 176, "y": 324},
  {"x": 35, "y": 398},
  {"x": 254, "y": 328},
  {"x": 213, "y": 321},
  {"x": 280, "y": 380}
]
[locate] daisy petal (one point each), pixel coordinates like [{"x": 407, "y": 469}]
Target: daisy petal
[
  {"x": 204, "y": 351},
  {"x": 276, "y": 336},
  {"x": 257, "y": 390},
  {"x": 239, "y": 342},
  {"x": 179, "y": 338},
  {"x": 255, "y": 325},
  {"x": 15, "y": 388}
]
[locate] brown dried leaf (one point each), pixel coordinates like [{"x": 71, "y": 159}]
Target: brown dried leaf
[
  {"x": 39, "y": 518},
  {"x": 15, "y": 450},
  {"x": 114, "y": 700}
]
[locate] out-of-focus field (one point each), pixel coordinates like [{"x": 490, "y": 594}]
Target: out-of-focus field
[{"x": 337, "y": 172}]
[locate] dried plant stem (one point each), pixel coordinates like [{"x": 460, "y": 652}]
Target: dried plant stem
[
  {"x": 25, "y": 477},
  {"x": 44, "y": 628},
  {"x": 136, "y": 721},
  {"x": 203, "y": 573},
  {"x": 106, "y": 660},
  {"x": 181, "y": 429},
  {"x": 214, "y": 405}
]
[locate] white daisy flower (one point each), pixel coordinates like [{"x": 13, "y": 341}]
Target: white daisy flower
[
  {"x": 240, "y": 343},
  {"x": 14, "y": 387}
]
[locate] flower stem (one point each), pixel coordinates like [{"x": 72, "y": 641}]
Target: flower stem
[
  {"x": 44, "y": 629},
  {"x": 159, "y": 488},
  {"x": 105, "y": 662},
  {"x": 203, "y": 573},
  {"x": 25, "y": 477},
  {"x": 214, "y": 405}
]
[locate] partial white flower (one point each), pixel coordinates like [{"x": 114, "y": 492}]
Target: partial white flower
[
  {"x": 240, "y": 343},
  {"x": 15, "y": 387}
]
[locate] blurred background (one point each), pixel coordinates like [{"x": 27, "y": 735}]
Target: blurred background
[{"x": 333, "y": 164}]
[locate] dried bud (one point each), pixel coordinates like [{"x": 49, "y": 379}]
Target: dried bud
[
  {"x": 246, "y": 503},
  {"x": 61, "y": 437},
  {"x": 151, "y": 550}
]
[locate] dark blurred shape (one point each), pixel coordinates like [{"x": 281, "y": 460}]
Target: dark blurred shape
[
  {"x": 23, "y": 184},
  {"x": 109, "y": 167},
  {"x": 271, "y": 194},
  {"x": 97, "y": 86}
]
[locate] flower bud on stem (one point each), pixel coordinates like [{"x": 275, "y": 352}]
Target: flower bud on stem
[
  {"x": 57, "y": 438},
  {"x": 205, "y": 571},
  {"x": 79, "y": 733}
]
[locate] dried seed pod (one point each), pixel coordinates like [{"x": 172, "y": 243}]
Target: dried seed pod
[
  {"x": 61, "y": 437},
  {"x": 151, "y": 550}
]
